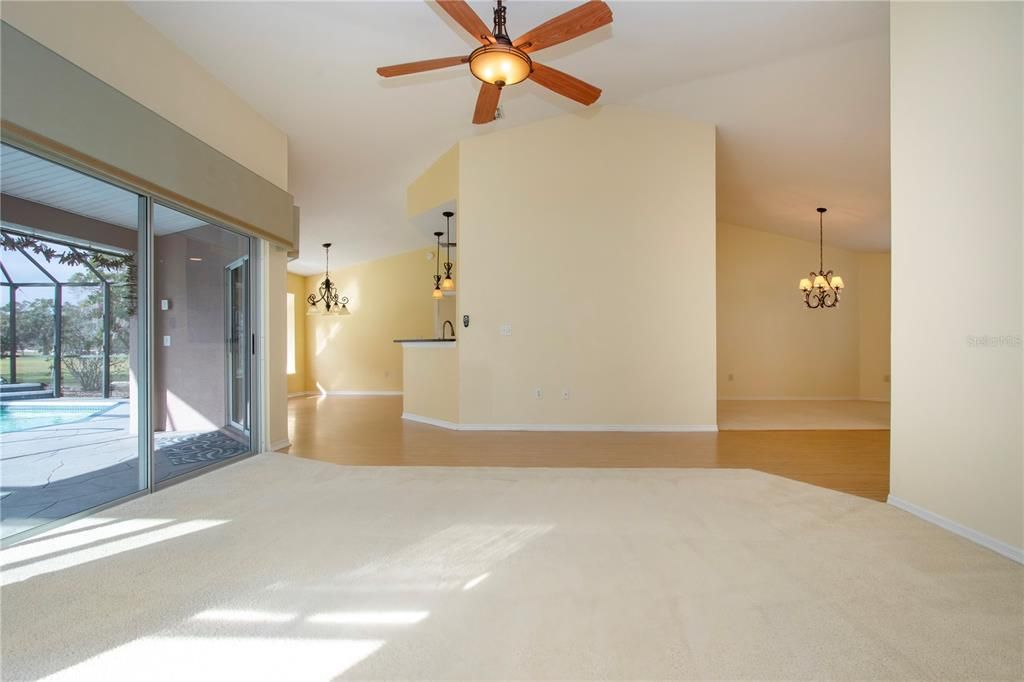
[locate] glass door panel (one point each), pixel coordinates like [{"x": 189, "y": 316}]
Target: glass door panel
[
  {"x": 69, "y": 425},
  {"x": 201, "y": 385}
]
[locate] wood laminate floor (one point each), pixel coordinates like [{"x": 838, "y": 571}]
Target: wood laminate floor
[{"x": 370, "y": 431}]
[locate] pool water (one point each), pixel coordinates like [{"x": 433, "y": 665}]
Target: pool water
[{"x": 23, "y": 417}]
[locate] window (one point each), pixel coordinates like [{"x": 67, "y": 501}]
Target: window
[{"x": 291, "y": 333}]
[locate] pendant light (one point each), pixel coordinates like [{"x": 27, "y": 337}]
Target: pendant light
[
  {"x": 437, "y": 293},
  {"x": 327, "y": 294},
  {"x": 448, "y": 284},
  {"x": 822, "y": 289}
]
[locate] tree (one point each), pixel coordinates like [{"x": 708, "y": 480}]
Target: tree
[{"x": 35, "y": 323}]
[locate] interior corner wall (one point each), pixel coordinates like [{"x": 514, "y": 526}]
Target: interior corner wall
[
  {"x": 297, "y": 288},
  {"x": 389, "y": 299},
  {"x": 592, "y": 236},
  {"x": 957, "y": 141}
]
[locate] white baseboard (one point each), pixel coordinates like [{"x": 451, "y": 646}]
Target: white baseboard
[
  {"x": 637, "y": 428},
  {"x": 301, "y": 394},
  {"x": 274, "y": 447},
  {"x": 367, "y": 393},
  {"x": 997, "y": 546}
]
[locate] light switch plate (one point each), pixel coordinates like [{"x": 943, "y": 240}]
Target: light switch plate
[
  {"x": 167, "y": 341},
  {"x": 165, "y": 304},
  {"x": 506, "y": 330}
]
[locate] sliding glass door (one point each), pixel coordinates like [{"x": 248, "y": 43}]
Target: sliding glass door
[{"x": 127, "y": 352}]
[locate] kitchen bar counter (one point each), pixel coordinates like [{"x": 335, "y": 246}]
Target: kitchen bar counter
[
  {"x": 430, "y": 381},
  {"x": 423, "y": 341}
]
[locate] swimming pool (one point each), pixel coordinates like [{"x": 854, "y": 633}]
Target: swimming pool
[{"x": 21, "y": 417}]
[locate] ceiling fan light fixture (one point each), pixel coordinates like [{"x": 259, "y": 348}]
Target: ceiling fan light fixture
[{"x": 500, "y": 64}]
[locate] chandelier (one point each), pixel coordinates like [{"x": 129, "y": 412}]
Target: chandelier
[
  {"x": 822, "y": 289},
  {"x": 327, "y": 294}
]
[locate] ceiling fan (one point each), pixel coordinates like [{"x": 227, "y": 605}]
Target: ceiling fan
[{"x": 501, "y": 61}]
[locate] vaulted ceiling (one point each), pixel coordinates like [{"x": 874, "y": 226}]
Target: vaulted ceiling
[{"x": 799, "y": 92}]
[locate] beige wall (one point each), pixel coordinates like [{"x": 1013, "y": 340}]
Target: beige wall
[
  {"x": 431, "y": 382},
  {"x": 594, "y": 238},
  {"x": 277, "y": 348},
  {"x": 956, "y": 224},
  {"x": 875, "y": 282},
  {"x": 297, "y": 287},
  {"x": 390, "y": 299},
  {"x": 770, "y": 346},
  {"x": 110, "y": 41},
  {"x": 438, "y": 184}
]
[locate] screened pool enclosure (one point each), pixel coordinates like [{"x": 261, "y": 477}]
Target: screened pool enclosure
[{"x": 65, "y": 317}]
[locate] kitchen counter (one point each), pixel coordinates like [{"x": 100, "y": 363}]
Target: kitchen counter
[
  {"x": 423, "y": 341},
  {"x": 430, "y": 381}
]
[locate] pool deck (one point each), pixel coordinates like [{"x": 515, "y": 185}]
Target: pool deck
[{"x": 50, "y": 472}]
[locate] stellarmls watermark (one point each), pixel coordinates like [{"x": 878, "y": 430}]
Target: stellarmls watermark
[{"x": 995, "y": 341}]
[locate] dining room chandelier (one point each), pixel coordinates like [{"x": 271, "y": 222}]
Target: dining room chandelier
[
  {"x": 821, "y": 289},
  {"x": 327, "y": 300}
]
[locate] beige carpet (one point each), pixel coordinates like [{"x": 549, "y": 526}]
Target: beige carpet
[
  {"x": 802, "y": 415},
  {"x": 289, "y": 569}
]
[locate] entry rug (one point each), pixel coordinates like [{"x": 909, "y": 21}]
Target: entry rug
[{"x": 193, "y": 448}]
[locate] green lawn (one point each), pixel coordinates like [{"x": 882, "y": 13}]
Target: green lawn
[
  {"x": 37, "y": 369},
  {"x": 32, "y": 369}
]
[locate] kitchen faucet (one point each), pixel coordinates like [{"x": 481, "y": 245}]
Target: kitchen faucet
[{"x": 444, "y": 329}]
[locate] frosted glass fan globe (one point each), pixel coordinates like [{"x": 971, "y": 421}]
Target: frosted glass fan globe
[{"x": 500, "y": 64}]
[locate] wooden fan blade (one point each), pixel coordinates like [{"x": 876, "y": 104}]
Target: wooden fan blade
[
  {"x": 572, "y": 24},
  {"x": 564, "y": 84},
  {"x": 486, "y": 103},
  {"x": 417, "y": 67},
  {"x": 465, "y": 17}
]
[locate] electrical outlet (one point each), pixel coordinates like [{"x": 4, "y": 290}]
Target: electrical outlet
[
  {"x": 731, "y": 377},
  {"x": 565, "y": 394},
  {"x": 167, "y": 341},
  {"x": 539, "y": 393},
  {"x": 506, "y": 330}
]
